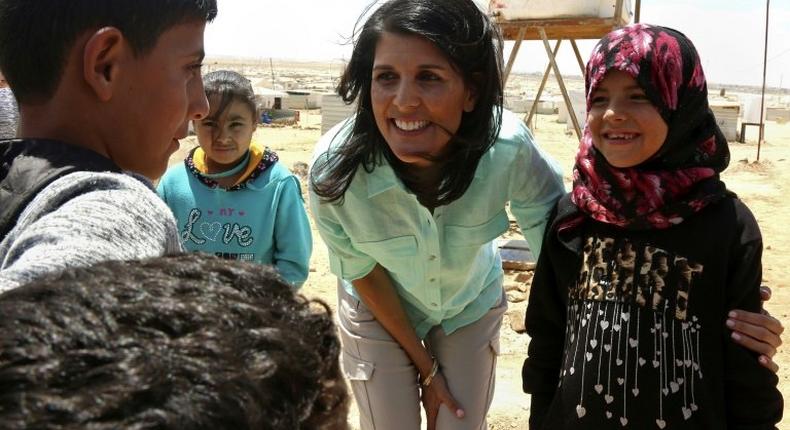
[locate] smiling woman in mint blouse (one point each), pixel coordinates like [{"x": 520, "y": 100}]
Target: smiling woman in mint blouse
[{"x": 409, "y": 196}]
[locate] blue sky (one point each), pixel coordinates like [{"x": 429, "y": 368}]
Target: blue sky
[{"x": 729, "y": 34}]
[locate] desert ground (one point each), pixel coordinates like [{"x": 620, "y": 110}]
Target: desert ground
[{"x": 761, "y": 184}]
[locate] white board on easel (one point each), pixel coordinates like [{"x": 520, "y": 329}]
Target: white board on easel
[{"x": 513, "y": 10}]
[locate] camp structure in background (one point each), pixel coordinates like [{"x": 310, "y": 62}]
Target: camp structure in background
[
  {"x": 558, "y": 20},
  {"x": 334, "y": 110}
]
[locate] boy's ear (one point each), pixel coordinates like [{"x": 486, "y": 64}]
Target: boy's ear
[{"x": 102, "y": 57}]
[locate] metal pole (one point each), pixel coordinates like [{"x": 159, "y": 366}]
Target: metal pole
[
  {"x": 271, "y": 67},
  {"x": 765, "y": 68}
]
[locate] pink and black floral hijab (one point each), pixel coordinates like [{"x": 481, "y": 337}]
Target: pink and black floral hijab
[{"x": 683, "y": 177}]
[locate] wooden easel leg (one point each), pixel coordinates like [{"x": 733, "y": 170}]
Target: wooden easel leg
[
  {"x": 521, "y": 33},
  {"x": 618, "y": 13},
  {"x": 638, "y": 11},
  {"x": 534, "y": 107},
  {"x": 571, "y": 112},
  {"x": 578, "y": 56}
]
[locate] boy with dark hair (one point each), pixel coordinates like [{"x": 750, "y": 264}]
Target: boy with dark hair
[
  {"x": 179, "y": 342},
  {"x": 103, "y": 98}
]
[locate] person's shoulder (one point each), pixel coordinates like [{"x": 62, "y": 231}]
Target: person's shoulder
[
  {"x": 7, "y": 98},
  {"x": 513, "y": 131},
  {"x": 278, "y": 170},
  {"x": 127, "y": 192},
  {"x": 123, "y": 198},
  {"x": 174, "y": 174},
  {"x": 563, "y": 211},
  {"x": 745, "y": 220},
  {"x": 326, "y": 154},
  {"x": 175, "y": 170},
  {"x": 85, "y": 217},
  {"x": 104, "y": 201},
  {"x": 87, "y": 181},
  {"x": 730, "y": 209},
  {"x": 333, "y": 138},
  {"x": 514, "y": 142},
  {"x": 98, "y": 181},
  {"x": 729, "y": 216},
  {"x": 276, "y": 173},
  {"x": 742, "y": 211}
]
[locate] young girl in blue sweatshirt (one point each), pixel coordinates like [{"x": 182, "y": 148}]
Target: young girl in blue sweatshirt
[
  {"x": 644, "y": 259},
  {"x": 231, "y": 197}
]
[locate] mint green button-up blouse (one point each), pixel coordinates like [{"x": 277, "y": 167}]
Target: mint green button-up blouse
[{"x": 444, "y": 264}]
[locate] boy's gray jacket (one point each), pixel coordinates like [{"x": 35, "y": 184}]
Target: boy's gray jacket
[{"x": 64, "y": 206}]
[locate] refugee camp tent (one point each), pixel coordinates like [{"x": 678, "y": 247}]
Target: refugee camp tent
[{"x": 267, "y": 98}]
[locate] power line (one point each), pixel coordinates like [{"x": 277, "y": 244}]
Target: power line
[{"x": 750, "y": 68}]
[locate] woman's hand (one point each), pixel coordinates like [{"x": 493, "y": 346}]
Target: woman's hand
[
  {"x": 759, "y": 332},
  {"x": 436, "y": 394},
  {"x": 379, "y": 295}
]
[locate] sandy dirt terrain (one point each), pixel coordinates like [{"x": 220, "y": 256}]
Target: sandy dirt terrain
[{"x": 760, "y": 184}]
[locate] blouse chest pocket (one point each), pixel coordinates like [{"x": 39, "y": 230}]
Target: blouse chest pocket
[
  {"x": 398, "y": 255},
  {"x": 477, "y": 235}
]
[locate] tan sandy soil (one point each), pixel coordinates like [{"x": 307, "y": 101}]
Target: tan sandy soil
[{"x": 760, "y": 184}]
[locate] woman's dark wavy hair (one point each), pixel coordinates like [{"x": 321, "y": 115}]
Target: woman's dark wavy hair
[{"x": 472, "y": 44}]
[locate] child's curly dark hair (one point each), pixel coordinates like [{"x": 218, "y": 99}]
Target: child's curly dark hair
[{"x": 181, "y": 342}]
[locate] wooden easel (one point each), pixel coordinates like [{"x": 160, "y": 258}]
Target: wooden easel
[{"x": 559, "y": 29}]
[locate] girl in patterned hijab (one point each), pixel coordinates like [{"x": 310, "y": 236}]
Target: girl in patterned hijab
[
  {"x": 643, "y": 259},
  {"x": 677, "y": 172}
]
